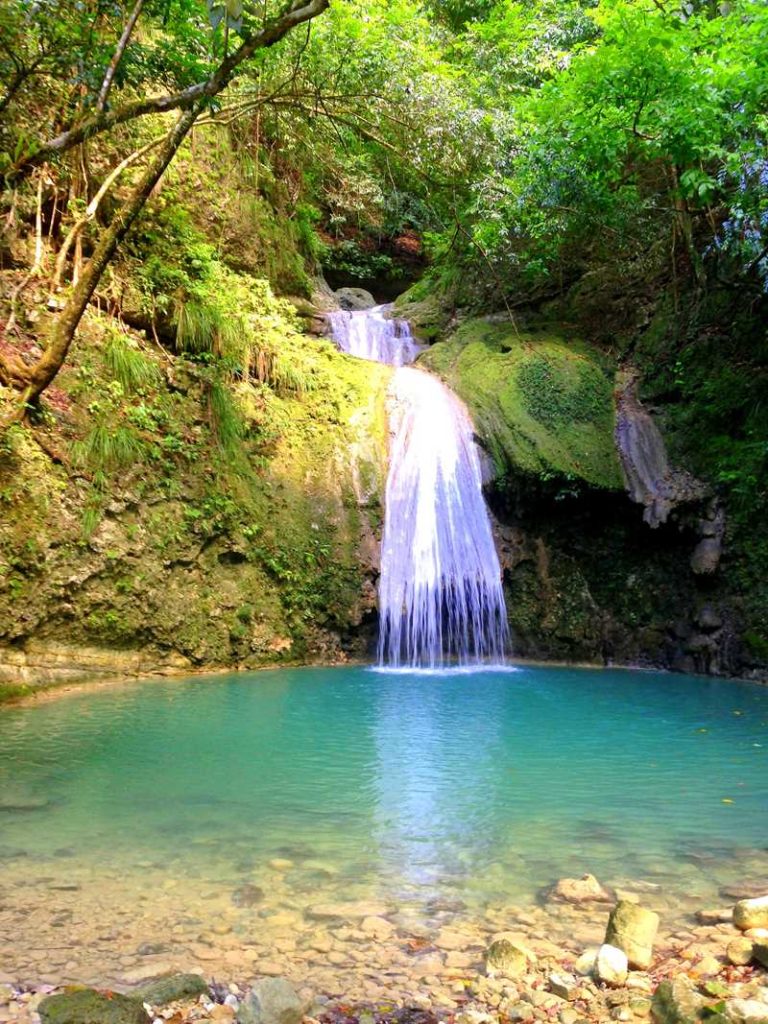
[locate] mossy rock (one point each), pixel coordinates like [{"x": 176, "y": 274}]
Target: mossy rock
[
  {"x": 87, "y": 1006},
  {"x": 424, "y": 309},
  {"x": 504, "y": 958},
  {"x": 168, "y": 990},
  {"x": 542, "y": 404}
]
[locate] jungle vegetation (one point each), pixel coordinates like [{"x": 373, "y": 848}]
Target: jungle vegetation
[{"x": 586, "y": 154}]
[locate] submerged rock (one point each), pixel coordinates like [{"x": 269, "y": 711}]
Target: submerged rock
[
  {"x": 632, "y": 929},
  {"x": 16, "y": 803},
  {"x": 586, "y": 889},
  {"x": 271, "y": 1001},
  {"x": 247, "y": 895},
  {"x": 87, "y": 1006},
  {"x": 168, "y": 990},
  {"x": 346, "y": 911},
  {"x": 504, "y": 958},
  {"x": 751, "y": 913}
]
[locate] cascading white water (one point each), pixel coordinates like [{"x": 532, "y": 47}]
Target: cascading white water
[
  {"x": 371, "y": 334},
  {"x": 440, "y": 596}
]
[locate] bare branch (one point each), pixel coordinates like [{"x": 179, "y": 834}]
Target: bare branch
[{"x": 106, "y": 85}]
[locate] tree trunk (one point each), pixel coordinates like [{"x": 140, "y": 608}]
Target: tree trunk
[{"x": 60, "y": 338}]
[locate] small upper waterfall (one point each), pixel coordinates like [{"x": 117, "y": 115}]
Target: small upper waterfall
[
  {"x": 440, "y": 596},
  {"x": 371, "y": 334}
]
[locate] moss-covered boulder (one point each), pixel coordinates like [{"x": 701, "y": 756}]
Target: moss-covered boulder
[
  {"x": 87, "y": 1006},
  {"x": 168, "y": 990},
  {"x": 542, "y": 404}
]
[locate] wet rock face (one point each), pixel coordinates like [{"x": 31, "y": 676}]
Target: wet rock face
[{"x": 651, "y": 480}]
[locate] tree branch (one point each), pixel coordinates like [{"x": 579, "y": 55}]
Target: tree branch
[
  {"x": 273, "y": 31},
  {"x": 106, "y": 85}
]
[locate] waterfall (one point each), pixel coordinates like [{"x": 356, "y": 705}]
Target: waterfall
[
  {"x": 440, "y": 596},
  {"x": 370, "y": 334}
]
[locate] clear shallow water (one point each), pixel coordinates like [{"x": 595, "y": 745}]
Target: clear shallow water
[{"x": 398, "y": 786}]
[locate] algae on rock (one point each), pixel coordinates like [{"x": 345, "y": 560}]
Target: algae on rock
[{"x": 542, "y": 405}]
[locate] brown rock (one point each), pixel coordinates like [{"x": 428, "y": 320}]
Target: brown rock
[
  {"x": 739, "y": 951},
  {"x": 586, "y": 889}
]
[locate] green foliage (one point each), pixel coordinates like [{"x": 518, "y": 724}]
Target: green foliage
[
  {"x": 349, "y": 257},
  {"x": 108, "y": 447},
  {"x": 127, "y": 364},
  {"x": 649, "y": 124}
]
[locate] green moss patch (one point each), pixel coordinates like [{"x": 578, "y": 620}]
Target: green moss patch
[{"x": 542, "y": 405}]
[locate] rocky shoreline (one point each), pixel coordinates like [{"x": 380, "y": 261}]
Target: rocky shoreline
[{"x": 377, "y": 970}]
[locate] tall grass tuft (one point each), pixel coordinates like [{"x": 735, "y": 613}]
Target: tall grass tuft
[
  {"x": 286, "y": 374},
  {"x": 107, "y": 447},
  {"x": 128, "y": 364},
  {"x": 198, "y": 326},
  {"x": 227, "y": 421}
]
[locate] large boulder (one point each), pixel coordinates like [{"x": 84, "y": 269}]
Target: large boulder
[
  {"x": 271, "y": 1001},
  {"x": 632, "y": 929},
  {"x": 87, "y": 1006},
  {"x": 751, "y": 913},
  {"x": 354, "y": 299}
]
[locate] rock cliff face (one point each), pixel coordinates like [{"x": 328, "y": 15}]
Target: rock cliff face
[
  {"x": 611, "y": 552},
  {"x": 186, "y": 557}
]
